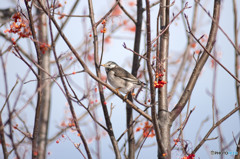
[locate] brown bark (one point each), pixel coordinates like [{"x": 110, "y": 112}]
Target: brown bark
[
  {"x": 135, "y": 66},
  {"x": 201, "y": 62},
  {"x": 46, "y": 90},
  {"x": 163, "y": 114}
]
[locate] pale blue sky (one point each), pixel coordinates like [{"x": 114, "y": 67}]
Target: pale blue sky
[{"x": 225, "y": 92}]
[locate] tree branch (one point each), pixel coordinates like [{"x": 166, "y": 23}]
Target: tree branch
[
  {"x": 180, "y": 70},
  {"x": 150, "y": 74},
  {"x": 68, "y": 94},
  {"x": 213, "y": 127},
  {"x": 162, "y": 67},
  {"x": 237, "y": 57},
  {"x": 100, "y": 90},
  {"x": 195, "y": 74},
  {"x": 90, "y": 73},
  {"x": 220, "y": 28}
]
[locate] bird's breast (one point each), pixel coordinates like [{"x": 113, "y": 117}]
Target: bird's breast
[{"x": 112, "y": 79}]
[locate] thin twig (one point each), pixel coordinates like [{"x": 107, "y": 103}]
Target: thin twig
[
  {"x": 67, "y": 74},
  {"x": 78, "y": 119},
  {"x": 3, "y": 140},
  {"x": 125, "y": 47},
  {"x": 212, "y": 138},
  {"x": 80, "y": 103},
  {"x": 184, "y": 123},
  {"x": 235, "y": 46},
  {"x": 150, "y": 74},
  {"x": 76, "y": 146},
  {"x": 213, "y": 127},
  {"x": 100, "y": 86},
  {"x": 235, "y": 140},
  {"x": 9, "y": 96},
  {"x": 9, "y": 121},
  {"x": 87, "y": 70},
  {"x": 236, "y": 41},
  {"x": 190, "y": 32},
  {"x": 157, "y": 2},
  {"x": 125, "y": 11},
  {"x": 144, "y": 141},
  {"x": 26, "y": 134},
  {"x": 166, "y": 28},
  {"x": 20, "y": 57},
  {"x": 67, "y": 19},
  {"x": 135, "y": 120},
  {"x": 198, "y": 67},
  {"x": 67, "y": 92},
  {"x": 107, "y": 14},
  {"x": 179, "y": 72},
  {"x": 103, "y": 42},
  {"x": 199, "y": 130},
  {"x": 69, "y": 15},
  {"x": 17, "y": 145},
  {"x": 182, "y": 126}
]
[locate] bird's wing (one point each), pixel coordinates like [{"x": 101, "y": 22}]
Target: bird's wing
[{"x": 121, "y": 73}]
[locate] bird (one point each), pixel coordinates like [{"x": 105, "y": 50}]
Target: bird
[
  {"x": 5, "y": 15},
  {"x": 121, "y": 79}
]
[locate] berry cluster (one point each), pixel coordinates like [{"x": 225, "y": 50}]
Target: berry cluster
[{"x": 19, "y": 26}]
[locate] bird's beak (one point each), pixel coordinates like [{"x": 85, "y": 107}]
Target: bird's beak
[{"x": 103, "y": 65}]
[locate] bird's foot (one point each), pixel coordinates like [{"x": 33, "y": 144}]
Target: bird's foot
[
  {"x": 126, "y": 96},
  {"x": 117, "y": 89}
]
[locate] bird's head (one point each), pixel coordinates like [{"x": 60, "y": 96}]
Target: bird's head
[{"x": 110, "y": 65}]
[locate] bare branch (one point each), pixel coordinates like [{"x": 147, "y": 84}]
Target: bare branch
[
  {"x": 235, "y": 46},
  {"x": 107, "y": 14},
  {"x": 185, "y": 54},
  {"x": 9, "y": 96},
  {"x": 213, "y": 127},
  {"x": 166, "y": 28},
  {"x": 68, "y": 18},
  {"x": 237, "y": 57},
  {"x": 90, "y": 73},
  {"x": 125, "y": 11},
  {"x": 205, "y": 49},
  {"x": 125, "y": 47},
  {"x": 150, "y": 74},
  {"x": 192, "y": 81}
]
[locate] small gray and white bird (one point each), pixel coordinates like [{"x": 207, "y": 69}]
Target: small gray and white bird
[
  {"x": 120, "y": 79},
  {"x": 5, "y": 15}
]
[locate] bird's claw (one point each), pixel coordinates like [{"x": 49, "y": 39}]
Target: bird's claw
[
  {"x": 117, "y": 90},
  {"x": 126, "y": 96}
]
